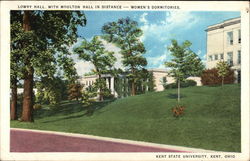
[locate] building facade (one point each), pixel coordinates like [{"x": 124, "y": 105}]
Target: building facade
[
  {"x": 224, "y": 44},
  {"x": 88, "y": 81},
  {"x": 119, "y": 86}
]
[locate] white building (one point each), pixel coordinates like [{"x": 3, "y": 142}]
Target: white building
[
  {"x": 224, "y": 44},
  {"x": 158, "y": 75},
  {"x": 88, "y": 81}
]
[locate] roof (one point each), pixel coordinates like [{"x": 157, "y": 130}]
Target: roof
[
  {"x": 223, "y": 24},
  {"x": 158, "y": 70}
]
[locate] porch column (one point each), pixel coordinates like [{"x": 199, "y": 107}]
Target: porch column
[
  {"x": 107, "y": 82},
  {"x": 147, "y": 85},
  {"x": 112, "y": 85}
]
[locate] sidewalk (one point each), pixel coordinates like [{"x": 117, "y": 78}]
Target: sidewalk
[{"x": 24, "y": 140}]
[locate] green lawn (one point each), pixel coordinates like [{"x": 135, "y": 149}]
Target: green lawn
[{"x": 211, "y": 120}]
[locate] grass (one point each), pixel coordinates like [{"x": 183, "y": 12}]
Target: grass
[{"x": 211, "y": 120}]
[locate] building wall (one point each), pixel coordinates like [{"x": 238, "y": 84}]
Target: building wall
[
  {"x": 87, "y": 81},
  {"x": 158, "y": 78},
  {"x": 160, "y": 73},
  {"x": 217, "y": 43}
]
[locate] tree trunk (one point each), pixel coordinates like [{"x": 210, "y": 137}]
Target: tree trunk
[
  {"x": 27, "y": 114},
  {"x": 133, "y": 88},
  {"x": 179, "y": 90},
  {"x": 222, "y": 81},
  {"x": 13, "y": 107}
]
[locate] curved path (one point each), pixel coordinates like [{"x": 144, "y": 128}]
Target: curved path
[{"x": 37, "y": 141}]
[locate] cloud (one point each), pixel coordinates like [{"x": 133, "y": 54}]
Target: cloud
[
  {"x": 164, "y": 29},
  {"x": 76, "y": 44},
  {"x": 143, "y": 18},
  {"x": 83, "y": 67},
  {"x": 158, "y": 61}
]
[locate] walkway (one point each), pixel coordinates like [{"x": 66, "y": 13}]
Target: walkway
[{"x": 42, "y": 141}]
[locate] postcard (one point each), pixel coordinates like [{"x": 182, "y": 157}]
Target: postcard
[{"x": 125, "y": 80}]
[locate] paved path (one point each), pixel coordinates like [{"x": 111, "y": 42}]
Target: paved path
[{"x": 31, "y": 141}]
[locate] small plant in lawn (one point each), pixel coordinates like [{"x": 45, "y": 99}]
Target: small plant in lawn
[
  {"x": 178, "y": 110},
  {"x": 37, "y": 106}
]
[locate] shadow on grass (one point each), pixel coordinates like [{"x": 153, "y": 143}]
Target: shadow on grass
[
  {"x": 78, "y": 107},
  {"x": 175, "y": 96}
]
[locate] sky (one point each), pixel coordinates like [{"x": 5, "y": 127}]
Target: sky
[{"x": 159, "y": 28}]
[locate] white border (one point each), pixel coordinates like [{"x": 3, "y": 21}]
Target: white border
[{"x": 6, "y": 6}]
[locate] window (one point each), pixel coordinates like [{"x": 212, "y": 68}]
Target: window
[
  {"x": 239, "y": 56},
  {"x": 230, "y": 38},
  {"x": 164, "y": 80},
  {"x": 239, "y": 77},
  {"x": 221, "y": 56},
  {"x": 216, "y": 57},
  {"x": 239, "y": 36},
  {"x": 230, "y": 58},
  {"x": 210, "y": 58}
]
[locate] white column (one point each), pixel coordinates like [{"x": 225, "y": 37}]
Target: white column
[
  {"x": 107, "y": 82},
  {"x": 112, "y": 85},
  {"x": 147, "y": 85}
]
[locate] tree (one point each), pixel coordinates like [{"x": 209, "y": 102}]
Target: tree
[
  {"x": 51, "y": 90},
  {"x": 223, "y": 70},
  {"x": 103, "y": 60},
  {"x": 75, "y": 91},
  {"x": 126, "y": 34},
  {"x": 185, "y": 62},
  {"x": 16, "y": 67},
  {"x": 51, "y": 32}
]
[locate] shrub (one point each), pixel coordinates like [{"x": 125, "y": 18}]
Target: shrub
[
  {"x": 211, "y": 77},
  {"x": 111, "y": 96},
  {"x": 87, "y": 97},
  {"x": 37, "y": 106},
  {"x": 170, "y": 86},
  {"x": 184, "y": 84},
  {"x": 178, "y": 111},
  {"x": 188, "y": 83}
]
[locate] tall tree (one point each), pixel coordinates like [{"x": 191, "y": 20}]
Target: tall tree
[
  {"x": 126, "y": 34},
  {"x": 16, "y": 67},
  {"x": 223, "y": 69},
  {"x": 52, "y": 32},
  {"x": 185, "y": 62},
  {"x": 103, "y": 60},
  {"x": 75, "y": 91}
]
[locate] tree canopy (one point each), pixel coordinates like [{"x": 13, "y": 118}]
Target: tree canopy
[
  {"x": 46, "y": 37},
  {"x": 185, "y": 62},
  {"x": 103, "y": 60},
  {"x": 126, "y": 34},
  {"x": 223, "y": 69}
]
